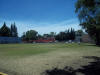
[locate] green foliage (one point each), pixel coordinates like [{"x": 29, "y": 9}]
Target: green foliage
[
  {"x": 46, "y": 35},
  {"x": 79, "y": 33},
  {"x": 67, "y": 35},
  {"x": 89, "y": 15},
  {"x": 39, "y": 36},
  {"x": 8, "y": 32},
  {"x": 52, "y": 34},
  {"x": 61, "y": 36},
  {"x": 5, "y": 31},
  {"x": 30, "y": 35},
  {"x": 14, "y": 32}
]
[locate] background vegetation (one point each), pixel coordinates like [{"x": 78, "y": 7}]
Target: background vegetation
[{"x": 89, "y": 15}]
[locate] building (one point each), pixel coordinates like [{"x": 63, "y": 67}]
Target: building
[
  {"x": 86, "y": 39},
  {"x": 4, "y": 40},
  {"x": 45, "y": 40}
]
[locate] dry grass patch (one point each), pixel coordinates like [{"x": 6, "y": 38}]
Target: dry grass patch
[{"x": 60, "y": 55}]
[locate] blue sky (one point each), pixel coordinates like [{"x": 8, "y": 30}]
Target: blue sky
[{"x": 41, "y": 15}]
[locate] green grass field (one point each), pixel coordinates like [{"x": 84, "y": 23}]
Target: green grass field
[
  {"x": 33, "y": 59},
  {"x": 33, "y": 49}
]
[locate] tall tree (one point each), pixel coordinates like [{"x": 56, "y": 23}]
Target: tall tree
[
  {"x": 67, "y": 35},
  {"x": 14, "y": 32},
  {"x": 52, "y": 34},
  {"x": 0, "y": 31},
  {"x": 72, "y": 34},
  {"x": 79, "y": 33},
  {"x": 23, "y": 36},
  {"x": 61, "y": 36},
  {"x": 89, "y": 15},
  {"x": 5, "y": 31}
]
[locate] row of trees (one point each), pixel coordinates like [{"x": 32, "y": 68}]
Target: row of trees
[
  {"x": 66, "y": 35},
  {"x": 33, "y": 35},
  {"x": 5, "y": 31},
  {"x": 89, "y": 16}
]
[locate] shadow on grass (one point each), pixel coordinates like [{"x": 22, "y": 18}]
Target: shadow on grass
[
  {"x": 92, "y": 69},
  {"x": 87, "y": 44},
  {"x": 65, "y": 71}
]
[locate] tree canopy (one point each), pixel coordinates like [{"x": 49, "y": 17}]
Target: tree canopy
[
  {"x": 89, "y": 16},
  {"x": 14, "y": 32},
  {"x": 66, "y": 35},
  {"x": 5, "y": 31},
  {"x": 30, "y": 35}
]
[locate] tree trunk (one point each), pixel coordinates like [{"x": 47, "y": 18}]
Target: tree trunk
[{"x": 97, "y": 39}]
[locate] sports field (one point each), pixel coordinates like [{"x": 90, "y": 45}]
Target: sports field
[{"x": 34, "y": 59}]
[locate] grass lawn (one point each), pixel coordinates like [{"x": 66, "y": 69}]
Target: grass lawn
[
  {"x": 33, "y": 49},
  {"x": 33, "y": 59}
]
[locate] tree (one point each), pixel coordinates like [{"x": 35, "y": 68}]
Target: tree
[
  {"x": 66, "y": 35},
  {"x": 89, "y": 15},
  {"x": 5, "y": 31},
  {"x": 72, "y": 34},
  {"x": 14, "y": 32},
  {"x": 23, "y": 36},
  {"x": 52, "y": 34},
  {"x": 79, "y": 33},
  {"x": 61, "y": 36},
  {"x": 30, "y": 35},
  {"x": 0, "y": 31},
  {"x": 39, "y": 36},
  {"x": 46, "y": 35}
]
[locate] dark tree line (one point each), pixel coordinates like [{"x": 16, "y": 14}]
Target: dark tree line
[
  {"x": 67, "y": 35},
  {"x": 5, "y": 31},
  {"x": 62, "y": 36},
  {"x": 33, "y": 35}
]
